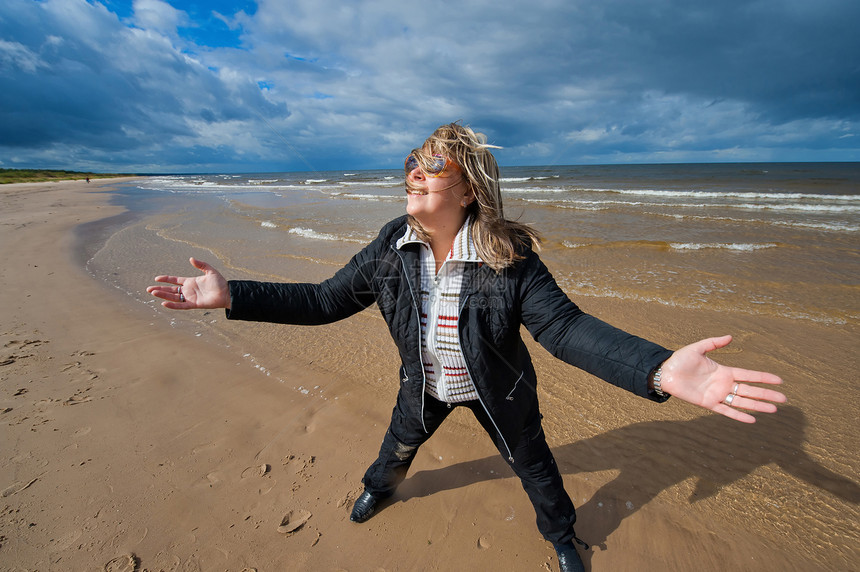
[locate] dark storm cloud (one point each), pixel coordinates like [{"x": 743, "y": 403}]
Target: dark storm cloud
[{"x": 77, "y": 79}]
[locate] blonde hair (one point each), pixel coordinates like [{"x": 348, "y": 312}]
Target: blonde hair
[{"x": 497, "y": 239}]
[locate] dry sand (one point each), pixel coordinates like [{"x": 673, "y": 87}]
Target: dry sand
[{"x": 128, "y": 444}]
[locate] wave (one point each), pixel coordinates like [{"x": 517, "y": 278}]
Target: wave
[
  {"x": 733, "y": 194},
  {"x": 701, "y": 196},
  {"x": 366, "y": 197},
  {"x": 315, "y": 235},
  {"x": 204, "y": 186},
  {"x": 526, "y": 190},
  {"x": 526, "y": 179},
  {"x": 826, "y": 226},
  {"x": 838, "y": 209},
  {"x": 722, "y": 246},
  {"x": 682, "y": 246},
  {"x": 573, "y": 203},
  {"x": 386, "y": 182},
  {"x": 590, "y": 204}
]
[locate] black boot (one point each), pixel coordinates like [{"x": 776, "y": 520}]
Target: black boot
[
  {"x": 363, "y": 507},
  {"x": 568, "y": 558}
]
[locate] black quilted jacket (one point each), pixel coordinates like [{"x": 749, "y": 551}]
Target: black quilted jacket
[{"x": 492, "y": 308}]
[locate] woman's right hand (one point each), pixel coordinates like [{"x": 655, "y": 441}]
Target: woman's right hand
[{"x": 196, "y": 292}]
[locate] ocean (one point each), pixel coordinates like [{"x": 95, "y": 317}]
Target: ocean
[{"x": 776, "y": 239}]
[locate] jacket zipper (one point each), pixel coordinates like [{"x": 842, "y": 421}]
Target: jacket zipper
[
  {"x": 415, "y": 304},
  {"x": 481, "y": 399}
]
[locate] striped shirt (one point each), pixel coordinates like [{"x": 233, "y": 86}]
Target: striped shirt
[{"x": 447, "y": 378}]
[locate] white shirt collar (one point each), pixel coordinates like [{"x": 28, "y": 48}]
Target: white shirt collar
[{"x": 462, "y": 250}]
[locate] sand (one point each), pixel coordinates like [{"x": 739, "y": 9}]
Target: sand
[{"x": 131, "y": 444}]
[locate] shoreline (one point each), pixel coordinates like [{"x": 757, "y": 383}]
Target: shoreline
[{"x": 128, "y": 435}]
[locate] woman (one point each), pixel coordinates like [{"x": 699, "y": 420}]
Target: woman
[{"x": 454, "y": 281}]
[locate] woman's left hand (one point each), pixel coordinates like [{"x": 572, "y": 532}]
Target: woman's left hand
[{"x": 689, "y": 374}]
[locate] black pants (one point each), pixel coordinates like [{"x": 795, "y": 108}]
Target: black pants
[{"x": 533, "y": 462}]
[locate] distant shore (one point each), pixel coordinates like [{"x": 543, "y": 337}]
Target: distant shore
[{"x": 11, "y": 176}]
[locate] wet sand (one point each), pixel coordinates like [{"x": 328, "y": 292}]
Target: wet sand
[{"x": 134, "y": 434}]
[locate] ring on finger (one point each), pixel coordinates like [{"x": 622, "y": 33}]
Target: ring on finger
[
  {"x": 735, "y": 390},
  {"x": 729, "y": 398}
]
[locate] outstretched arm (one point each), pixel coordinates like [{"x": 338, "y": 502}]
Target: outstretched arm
[
  {"x": 692, "y": 376},
  {"x": 196, "y": 292}
]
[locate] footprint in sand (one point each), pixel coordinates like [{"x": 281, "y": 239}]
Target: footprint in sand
[
  {"x": 293, "y": 520},
  {"x": 204, "y": 447},
  {"x": 124, "y": 563},
  {"x": 256, "y": 471},
  {"x": 65, "y": 541}
]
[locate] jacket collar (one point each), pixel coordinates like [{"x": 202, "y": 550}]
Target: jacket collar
[{"x": 462, "y": 250}]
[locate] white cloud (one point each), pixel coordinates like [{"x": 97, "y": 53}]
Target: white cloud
[
  {"x": 13, "y": 54},
  {"x": 158, "y": 16}
]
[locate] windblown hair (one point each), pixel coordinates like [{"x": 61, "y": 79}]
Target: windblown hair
[{"x": 497, "y": 239}]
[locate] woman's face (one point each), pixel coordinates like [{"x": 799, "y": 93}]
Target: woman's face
[{"x": 436, "y": 200}]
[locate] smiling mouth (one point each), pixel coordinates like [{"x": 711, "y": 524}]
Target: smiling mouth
[{"x": 413, "y": 189}]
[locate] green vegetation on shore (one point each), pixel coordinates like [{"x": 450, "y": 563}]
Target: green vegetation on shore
[{"x": 41, "y": 175}]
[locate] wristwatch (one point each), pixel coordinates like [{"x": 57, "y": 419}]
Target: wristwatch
[{"x": 655, "y": 382}]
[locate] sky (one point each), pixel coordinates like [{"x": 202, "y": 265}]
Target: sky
[{"x": 202, "y": 86}]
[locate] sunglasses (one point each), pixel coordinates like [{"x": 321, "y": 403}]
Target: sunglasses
[{"x": 435, "y": 169}]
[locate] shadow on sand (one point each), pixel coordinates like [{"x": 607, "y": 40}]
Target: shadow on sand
[{"x": 653, "y": 456}]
